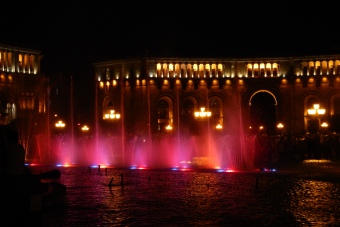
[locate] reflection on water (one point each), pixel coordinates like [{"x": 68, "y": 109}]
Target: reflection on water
[
  {"x": 197, "y": 198},
  {"x": 315, "y": 202}
]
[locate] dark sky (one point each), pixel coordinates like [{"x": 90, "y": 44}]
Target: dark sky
[
  {"x": 74, "y": 34},
  {"x": 88, "y": 31}
]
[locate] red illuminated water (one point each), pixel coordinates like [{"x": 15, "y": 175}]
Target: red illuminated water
[
  {"x": 222, "y": 152},
  {"x": 211, "y": 150}
]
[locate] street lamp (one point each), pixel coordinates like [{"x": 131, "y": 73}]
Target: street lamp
[
  {"x": 202, "y": 113},
  {"x": 60, "y": 124},
  {"x": 85, "y": 128},
  {"x": 111, "y": 115},
  {"x": 219, "y": 126},
  {"x": 316, "y": 110},
  {"x": 260, "y": 128},
  {"x": 280, "y": 127},
  {"x": 168, "y": 128},
  {"x": 324, "y": 125}
]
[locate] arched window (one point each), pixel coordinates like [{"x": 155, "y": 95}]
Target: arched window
[
  {"x": 188, "y": 109},
  {"x": 214, "y": 107},
  {"x": 163, "y": 109}
]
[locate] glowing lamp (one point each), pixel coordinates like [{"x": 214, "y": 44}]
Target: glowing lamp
[
  {"x": 324, "y": 125},
  {"x": 111, "y": 115},
  {"x": 280, "y": 126},
  {"x": 85, "y": 128},
  {"x": 316, "y": 110},
  {"x": 168, "y": 127},
  {"x": 202, "y": 113},
  {"x": 60, "y": 124},
  {"x": 311, "y": 111}
]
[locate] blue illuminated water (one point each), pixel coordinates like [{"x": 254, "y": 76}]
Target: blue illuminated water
[{"x": 306, "y": 195}]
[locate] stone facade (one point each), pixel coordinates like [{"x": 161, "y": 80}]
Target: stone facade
[
  {"x": 23, "y": 93},
  {"x": 242, "y": 94}
]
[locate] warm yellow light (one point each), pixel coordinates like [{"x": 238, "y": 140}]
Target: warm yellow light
[
  {"x": 218, "y": 126},
  {"x": 311, "y": 111},
  {"x": 324, "y": 125},
  {"x": 85, "y": 128},
  {"x": 316, "y": 110},
  {"x": 280, "y": 126},
  {"x": 321, "y": 111},
  {"x": 202, "y": 113},
  {"x": 168, "y": 127},
  {"x": 111, "y": 115},
  {"x": 60, "y": 124}
]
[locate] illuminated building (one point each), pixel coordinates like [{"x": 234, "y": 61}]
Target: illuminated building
[
  {"x": 23, "y": 92},
  {"x": 153, "y": 93}
]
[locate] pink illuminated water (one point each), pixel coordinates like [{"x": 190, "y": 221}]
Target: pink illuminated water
[{"x": 166, "y": 151}]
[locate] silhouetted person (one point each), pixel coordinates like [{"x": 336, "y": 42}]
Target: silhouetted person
[{"x": 14, "y": 160}]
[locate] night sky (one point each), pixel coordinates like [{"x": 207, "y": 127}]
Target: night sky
[{"x": 74, "y": 34}]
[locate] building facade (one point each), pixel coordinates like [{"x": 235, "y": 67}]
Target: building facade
[
  {"x": 23, "y": 94},
  {"x": 268, "y": 95},
  {"x": 242, "y": 112}
]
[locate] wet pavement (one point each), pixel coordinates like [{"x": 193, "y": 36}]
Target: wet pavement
[{"x": 307, "y": 194}]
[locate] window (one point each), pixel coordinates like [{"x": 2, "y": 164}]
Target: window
[
  {"x": 188, "y": 108},
  {"x": 163, "y": 109}
]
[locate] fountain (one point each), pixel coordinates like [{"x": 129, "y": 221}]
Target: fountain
[
  {"x": 163, "y": 150},
  {"x": 178, "y": 149}
]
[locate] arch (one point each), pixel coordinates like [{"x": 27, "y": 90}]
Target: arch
[
  {"x": 266, "y": 91},
  {"x": 263, "y": 108},
  {"x": 189, "y": 105},
  {"x": 108, "y": 106},
  {"x": 165, "y": 111},
  {"x": 309, "y": 100},
  {"x": 312, "y": 122},
  {"x": 216, "y": 109},
  {"x": 188, "y": 124}
]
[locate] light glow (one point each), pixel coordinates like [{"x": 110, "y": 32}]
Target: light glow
[
  {"x": 85, "y": 128},
  {"x": 279, "y": 125},
  {"x": 111, "y": 115},
  {"x": 316, "y": 110},
  {"x": 60, "y": 124},
  {"x": 202, "y": 113},
  {"x": 324, "y": 125}
]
